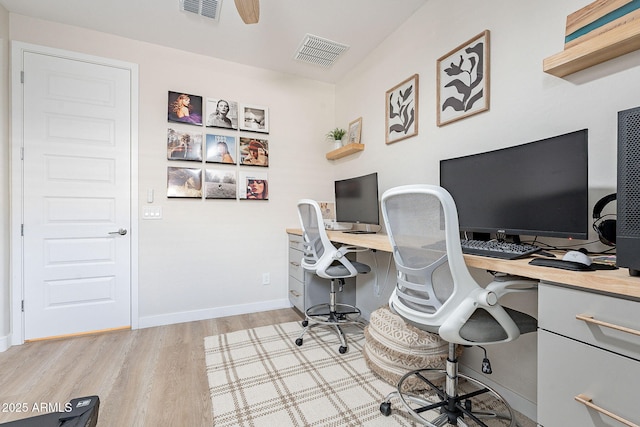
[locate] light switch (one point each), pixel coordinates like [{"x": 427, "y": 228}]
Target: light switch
[{"x": 152, "y": 212}]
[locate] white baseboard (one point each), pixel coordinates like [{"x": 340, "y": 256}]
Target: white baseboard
[
  {"x": 211, "y": 313},
  {"x": 4, "y": 343},
  {"x": 519, "y": 403}
]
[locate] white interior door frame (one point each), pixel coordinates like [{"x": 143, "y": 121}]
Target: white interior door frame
[{"x": 16, "y": 176}]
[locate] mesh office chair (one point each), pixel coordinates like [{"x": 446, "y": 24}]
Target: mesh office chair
[
  {"x": 436, "y": 293},
  {"x": 327, "y": 261}
]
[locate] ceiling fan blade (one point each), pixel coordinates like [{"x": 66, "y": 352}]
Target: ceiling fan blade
[{"x": 249, "y": 10}]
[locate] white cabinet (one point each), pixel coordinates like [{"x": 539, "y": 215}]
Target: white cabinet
[
  {"x": 307, "y": 289},
  {"x": 588, "y": 348},
  {"x": 296, "y": 272}
]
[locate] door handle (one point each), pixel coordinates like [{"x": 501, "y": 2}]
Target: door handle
[{"x": 121, "y": 232}]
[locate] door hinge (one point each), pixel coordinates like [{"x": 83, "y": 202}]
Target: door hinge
[
  {"x": 22, "y": 230},
  {"x": 22, "y": 304},
  {"x": 21, "y": 153},
  {"x": 21, "y": 76}
]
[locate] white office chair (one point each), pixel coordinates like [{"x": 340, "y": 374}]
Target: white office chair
[
  {"x": 436, "y": 293},
  {"x": 325, "y": 260}
]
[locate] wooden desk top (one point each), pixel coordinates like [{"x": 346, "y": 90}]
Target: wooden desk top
[{"x": 605, "y": 281}]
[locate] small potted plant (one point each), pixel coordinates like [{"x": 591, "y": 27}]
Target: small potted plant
[{"x": 336, "y": 136}]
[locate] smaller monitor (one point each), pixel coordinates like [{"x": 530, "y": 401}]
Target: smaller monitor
[{"x": 357, "y": 200}]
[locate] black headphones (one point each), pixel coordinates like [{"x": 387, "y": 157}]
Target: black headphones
[{"x": 606, "y": 228}]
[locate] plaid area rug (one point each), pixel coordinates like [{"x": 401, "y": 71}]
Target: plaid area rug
[{"x": 259, "y": 377}]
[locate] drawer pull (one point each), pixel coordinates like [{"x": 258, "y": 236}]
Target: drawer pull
[
  {"x": 295, "y": 294},
  {"x": 586, "y": 400},
  {"x": 589, "y": 319},
  {"x": 295, "y": 264}
]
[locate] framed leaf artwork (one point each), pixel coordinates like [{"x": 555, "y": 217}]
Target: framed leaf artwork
[
  {"x": 402, "y": 110},
  {"x": 463, "y": 80}
]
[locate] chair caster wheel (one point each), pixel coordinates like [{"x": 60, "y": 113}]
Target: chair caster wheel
[
  {"x": 385, "y": 408},
  {"x": 305, "y": 323},
  {"x": 299, "y": 342},
  {"x": 342, "y": 349}
]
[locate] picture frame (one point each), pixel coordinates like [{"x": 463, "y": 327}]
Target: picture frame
[
  {"x": 401, "y": 111},
  {"x": 254, "y": 118},
  {"x": 184, "y": 182},
  {"x": 354, "y": 131},
  {"x": 254, "y": 152},
  {"x": 220, "y": 184},
  {"x": 463, "y": 80},
  {"x": 184, "y": 145},
  {"x": 221, "y": 113},
  {"x": 184, "y": 108},
  {"x": 253, "y": 186},
  {"x": 220, "y": 149}
]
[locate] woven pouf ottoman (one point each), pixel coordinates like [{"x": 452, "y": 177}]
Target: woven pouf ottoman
[{"x": 393, "y": 347}]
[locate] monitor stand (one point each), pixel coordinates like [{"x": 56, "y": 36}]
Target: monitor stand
[{"x": 367, "y": 230}]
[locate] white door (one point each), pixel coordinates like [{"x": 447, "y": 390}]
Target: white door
[{"x": 76, "y": 194}]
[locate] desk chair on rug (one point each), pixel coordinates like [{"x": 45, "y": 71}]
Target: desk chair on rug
[
  {"x": 436, "y": 293},
  {"x": 329, "y": 262}
]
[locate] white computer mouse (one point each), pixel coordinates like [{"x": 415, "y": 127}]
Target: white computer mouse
[{"x": 577, "y": 256}]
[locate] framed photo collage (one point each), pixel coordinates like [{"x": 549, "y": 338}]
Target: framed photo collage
[{"x": 227, "y": 138}]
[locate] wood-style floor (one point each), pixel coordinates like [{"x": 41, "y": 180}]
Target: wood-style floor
[{"x": 147, "y": 377}]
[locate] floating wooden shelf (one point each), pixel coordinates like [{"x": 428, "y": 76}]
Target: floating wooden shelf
[
  {"x": 611, "y": 44},
  {"x": 344, "y": 151}
]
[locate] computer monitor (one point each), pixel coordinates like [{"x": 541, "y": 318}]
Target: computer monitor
[
  {"x": 357, "y": 200},
  {"x": 534, "y": 189}
]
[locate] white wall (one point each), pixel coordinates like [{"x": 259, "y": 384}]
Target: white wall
[
  {"x": 206, "y": 258},
  {"x": 4, "y": 179},
  {"x": 526, "y": 105}
]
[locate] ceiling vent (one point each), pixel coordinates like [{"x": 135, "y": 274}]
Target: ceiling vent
[
  {"x": 318, "y": 51},
  {"x": 206, "y": 8}
]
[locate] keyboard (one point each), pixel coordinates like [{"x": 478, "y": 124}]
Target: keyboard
[{"x": 498, "y": 249}]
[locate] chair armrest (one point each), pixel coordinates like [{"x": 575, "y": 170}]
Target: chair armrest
[
  {"x": 343, "y": 250},
  {"x": 511, "y": 285},
  {"x": 450, "y": 329}
]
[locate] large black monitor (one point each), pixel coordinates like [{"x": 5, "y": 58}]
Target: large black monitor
[
  {"x": 357, "y": 200},
  {"x": 534, "y": 189}
]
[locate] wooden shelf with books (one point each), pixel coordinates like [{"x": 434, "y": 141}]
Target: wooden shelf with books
[{"x": 603, "y": 30}]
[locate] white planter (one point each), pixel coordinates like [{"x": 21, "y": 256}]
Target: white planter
[{"x": 337, "y": 144}]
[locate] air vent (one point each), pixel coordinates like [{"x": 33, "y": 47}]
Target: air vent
[
  {"x": 206, "y": 8},
  {"x": 318, "y": 51}
]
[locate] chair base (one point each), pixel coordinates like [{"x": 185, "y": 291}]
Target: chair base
[
  {"x": 433, "y": 407},
  {"x": 332, "y": 316}
]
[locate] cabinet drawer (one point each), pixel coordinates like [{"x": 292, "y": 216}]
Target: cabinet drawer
[
  {"x": 296, "y": 242},
  {"x": 559, "y": 306},
  {"x": 295, "y": 266},
  {"x": 296, "y": 293},
  {"x": 569, "y": 368}
]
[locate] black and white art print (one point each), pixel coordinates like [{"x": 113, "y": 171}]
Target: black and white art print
[
  {"x": 402, "y": 110},
  {"x": 463, "y": 80}
]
